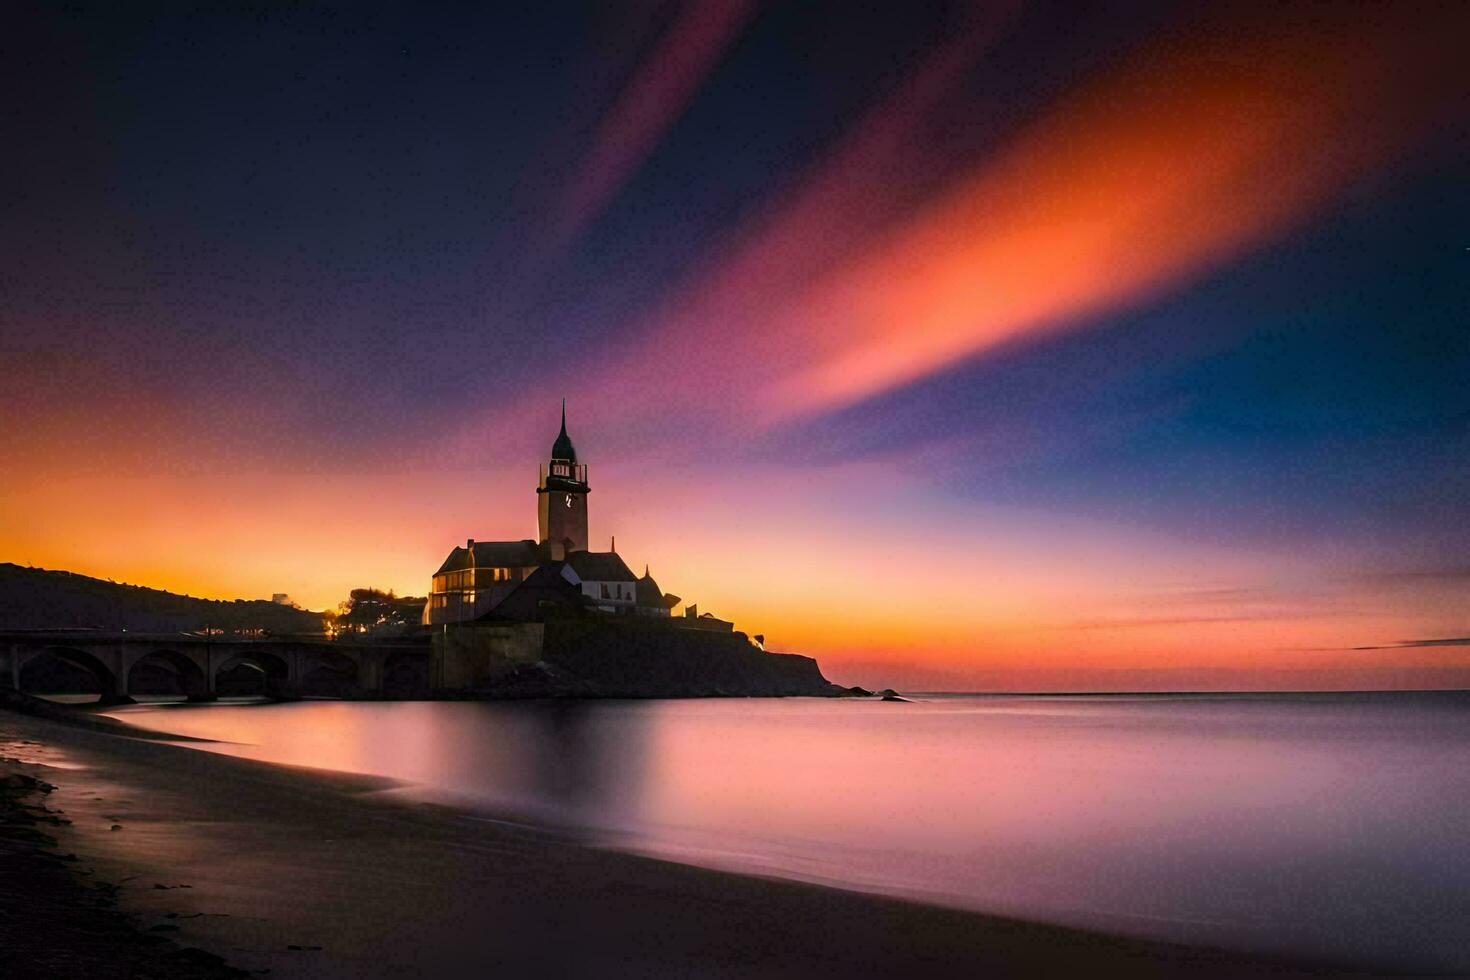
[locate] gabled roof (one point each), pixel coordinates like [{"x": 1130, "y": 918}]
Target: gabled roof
[
  {"x": 493, "y": 554},
  {"x": 600, "y": 566},
  {"x": 528, "y": 600}
]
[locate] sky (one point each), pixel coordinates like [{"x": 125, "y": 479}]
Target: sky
[{"x": 1017, "y": 346}]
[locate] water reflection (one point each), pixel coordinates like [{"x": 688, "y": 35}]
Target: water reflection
[
  {"x": 569, "y": 764},
  {"x": 582, "y": 770},
  {"x": 1321, "y": 825}
]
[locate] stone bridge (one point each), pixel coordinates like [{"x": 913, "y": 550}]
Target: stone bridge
[{"x": 290, "y": 667}]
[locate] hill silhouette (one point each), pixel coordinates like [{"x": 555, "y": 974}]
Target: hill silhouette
[{"x": 38, "y": 598}]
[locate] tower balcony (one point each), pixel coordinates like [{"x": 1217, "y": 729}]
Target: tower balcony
[{"x": 562, "y": 469}]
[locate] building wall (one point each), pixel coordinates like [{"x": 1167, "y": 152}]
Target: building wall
[
  {"x": 610, "y": 596},
  {"x": 561, "y": 523},
  {"x": 470, "y": 593},
  {"x": 471, "y": 658}
]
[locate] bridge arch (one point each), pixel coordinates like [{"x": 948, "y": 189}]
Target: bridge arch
[
  {"x": 67, "y": 673},
  {"x": 329, "y": 673},
  {"x": 268, "y": 675},
  {"x": 169, "y": 673},
  {"x": 406, "y": 675}
]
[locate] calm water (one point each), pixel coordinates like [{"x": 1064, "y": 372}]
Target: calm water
[{"x": 1324, "y": 825}]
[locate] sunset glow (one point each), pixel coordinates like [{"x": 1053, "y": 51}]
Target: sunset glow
[{"x": 1143, "y": 377}]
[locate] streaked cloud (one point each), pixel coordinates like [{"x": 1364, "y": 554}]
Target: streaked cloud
[
  {"x": 1460, "y": 641},
  {"x": 659, "y": 91},
  {"x": 1190, "y": 152}
]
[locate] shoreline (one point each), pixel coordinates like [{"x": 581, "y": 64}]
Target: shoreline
[
  {"x": 314, "y": 873},
  {"x": 56, "y": 917}
]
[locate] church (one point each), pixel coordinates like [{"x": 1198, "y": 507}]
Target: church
[{"x": 486, "y": 578}]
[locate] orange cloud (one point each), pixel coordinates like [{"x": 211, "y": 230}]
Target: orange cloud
[{"x": 1192, "y": 151}]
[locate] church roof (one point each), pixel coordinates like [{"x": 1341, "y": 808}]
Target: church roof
[
  {"x": 528, "y": 601},
  {"x": 563, "y": 448},
  {"x": 492, "y": 554},
  {"x": 650, "y": 596},
  {"x": 600, "y": 566},
  {"x": 648, "y": 593}
]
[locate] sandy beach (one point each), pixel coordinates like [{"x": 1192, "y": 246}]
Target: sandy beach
[{"x": 307, "y": 873}]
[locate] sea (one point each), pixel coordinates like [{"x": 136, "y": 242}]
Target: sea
[{"x": 1327, "y": 826}]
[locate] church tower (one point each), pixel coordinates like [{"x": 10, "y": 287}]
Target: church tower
[{"x": 561, "y": 498}]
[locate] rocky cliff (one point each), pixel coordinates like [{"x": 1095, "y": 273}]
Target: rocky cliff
[{"x": 629, "y": 658}]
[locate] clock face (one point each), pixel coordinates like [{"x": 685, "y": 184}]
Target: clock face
[{"x": 569, "y": 500}]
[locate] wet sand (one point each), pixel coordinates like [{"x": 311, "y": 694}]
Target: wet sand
[
  {"x": 57, "y": 919},
  {"x": 307, "y": 873}
]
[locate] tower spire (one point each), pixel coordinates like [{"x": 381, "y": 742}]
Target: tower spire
[
  {"x": 561, "y": 498},
  {"x": 562, "y": 448}
]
